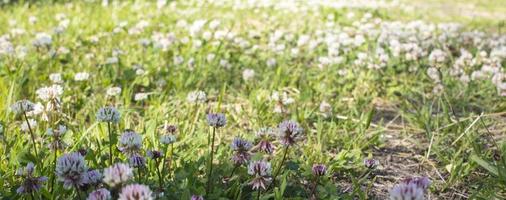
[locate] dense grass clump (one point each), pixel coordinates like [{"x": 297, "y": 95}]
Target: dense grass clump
[{"x": 248, "y": 100}]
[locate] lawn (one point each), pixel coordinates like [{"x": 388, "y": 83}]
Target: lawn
[{"x": 253, "y": 99}]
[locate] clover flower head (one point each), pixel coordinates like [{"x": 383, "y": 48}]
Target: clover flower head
[
  {"x": 167, "y": 139},
  {"x": 319, "y": 170},
  {"x": 22, "y": 106},
  {"x": 30, "y": 183},
  {"x": 137, "y": 161},
  {"x": 216, "y": 119},
  {"x": 197, "y": 197},
  {"x": 155, "y": 155},
  {"x": 410, "y": 188},
  {"x": 50, "y": 93},
  {"x": 196, "y": 97},
  {"x": 93, "y": 177},
  {"x": 289, "y": 132},
  {"x": 71, "y": 169},
  {"x": 108, "y": 114},
  {"x": 117, "y": 174},
  {"x": 135, "y": 191},
  {"x": 99, "y": 194},
  {"x": 261, "y": 171},
  {"x": 130, "y": 142},
  {"x": 371, "y": 163}
]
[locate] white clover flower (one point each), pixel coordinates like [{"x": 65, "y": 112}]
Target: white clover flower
[
  {"x": 141, "y": 96},
  {"x": 108, "y": 114},
  {"x": 248, "y": 74},
  {"x": 81, "y": 76},
  {"x": 271, "y": 62},
  {"x": 136, "y": 191},
  {"x": 42, "y": 40},
  {"x": 49, "y": 93},
  {"x": 196, "y": 97},
  {"x": 117, "y": 174},
  {"x": 55, "y": 78},
  {"x": 437, "y": 56},
  {"x": 26, "y": 128},
  {"x": 113, "y": 91},
  {"x": 112, "y": 60}
]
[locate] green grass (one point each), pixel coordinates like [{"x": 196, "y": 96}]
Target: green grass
[{"x": 454, "y": 137}]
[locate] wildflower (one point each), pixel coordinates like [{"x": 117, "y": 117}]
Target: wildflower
[
  {"x": 81, "y": 76},
  {"x": 325, "y": 108},
  {"x": 141, "y": 96},
  {"x": 196, "y": 97},
  {"x": 319, "y": 170},
  {"x": 71, "y": 169},
  {"x": 167, "y": 139},
  {"x": 130, "y": 142},
  {"x": 93, "y": 177},
  {"x": 113, "y": 91},
  {"x": 49, "y": 93},
  {"x": 248, "y": 74},
  {"x": 28, "y": 124},
  {"x": 117, "y": 174},
  {"x": 197, "y": 197},
  {"x": 137, "y": 161},
  {"x": 216, "y": 120},
  {"x": 30, "y": 183},
  {"x": 99, "y": 194},
  {"x": 289, "y": 132},
  {"x": 22, "y": 106},
  {"x": 55, "y": 78},
  {"x": 241, "y": 148},
  {"x": 261, "y": 171},
  {"x": 371, "y": 163},
  {"x": 410, "y": 188},
  {"x": 135, "y": 191},
  {"x": 265, "y": 144},
  {"x": 108, "y": 114},
  {"x": 57, "y": 134},
  {"x": 169, "y": 129},
  {"x": 155, "y": 155},
  {"x": 42, "y": 40}
]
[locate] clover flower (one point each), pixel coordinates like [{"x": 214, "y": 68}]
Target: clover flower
[
  {"x": 50, "y": 93},
  {"x": 99, "y": 194},
  {"x": 71, "y": 169},
  {"x": 93, "y": 177},
  {"x": 261, "y": 171},
  {"x": 197, "y": 197},
  {"x": 265, "y": 144},
  {"x": 117, "y": 174},
  {"x": 81, "y": 76},
  {"x": 137, "y": 161},
  {"x": 30, "y": 183},
  {"x": 319, "y": 170},
  {"x": 130, "y": 142},
  {"x": 241, "y": 149},
  {"x": 371, "y": 163},
  {"x": 135, "y": 191},
  {"x": 196, "y": 97},
  {"x": 22, "y": 106},
  {"x": 216, "y": 120},
  {"x": 108, "y": 114},
  {"x": 154, "y": 155},
  {"x": 410, "y": 188},
  {"x": 289, "y": 132},
  {"x": 167, "y": 139},
  {"x": 57, "y": 134},
  {"x": 113, "y": 91}
]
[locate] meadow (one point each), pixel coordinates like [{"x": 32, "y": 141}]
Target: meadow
[{"x": 258, "y": 99}]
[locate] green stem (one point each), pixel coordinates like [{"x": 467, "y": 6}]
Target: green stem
[
  {"x": 110, "y": 142},
  {"x": 209, "y": 178},
  {"x": 160, "y": 180},
  {"x": 32, "y": 135},
  {"x": 279, "y": 168}
]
